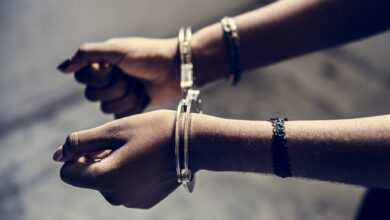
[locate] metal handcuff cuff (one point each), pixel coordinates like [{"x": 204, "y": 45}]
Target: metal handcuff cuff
[{"x": 190, "y": 103}]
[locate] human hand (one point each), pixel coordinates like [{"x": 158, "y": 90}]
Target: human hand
[
  {"x": 140, "y": 170},
  {"x": 127, "y": 74}
]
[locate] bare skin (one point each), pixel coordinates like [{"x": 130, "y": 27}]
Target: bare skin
[
  {"x": 139, "y": 68},
  {"x": 140, "y": 170},
  {"x": 137, "y": 167},
  {"x": 276, "y": 32}
]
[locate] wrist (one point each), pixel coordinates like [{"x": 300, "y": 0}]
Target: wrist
[
  {"x": 172, "y": 69},
  {"x": 209, "y": 55},
  {"x": 230, "y": 145},
  {"x": 174, "y": 57}
]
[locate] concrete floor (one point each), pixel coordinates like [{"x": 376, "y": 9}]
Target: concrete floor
[{"x": 40, "y": 107}]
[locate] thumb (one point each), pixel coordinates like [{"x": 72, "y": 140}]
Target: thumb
[
  {"x": 88, "y": 53},
  {"x": 85, "y": 142}
]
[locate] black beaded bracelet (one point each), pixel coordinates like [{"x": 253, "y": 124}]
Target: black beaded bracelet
[
  {"x": 280, "y": 159},
  {"x": 230, "y": 34}
]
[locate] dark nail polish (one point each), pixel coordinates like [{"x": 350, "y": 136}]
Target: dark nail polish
[{"x": 64, "y": 65}]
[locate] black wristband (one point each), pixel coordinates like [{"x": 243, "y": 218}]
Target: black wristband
[{"x": 280, "y": 159}]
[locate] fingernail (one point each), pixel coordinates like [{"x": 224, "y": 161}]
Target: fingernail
[
  {"x": 64, "y": 65},
  {"x": 58, "y": 155}
]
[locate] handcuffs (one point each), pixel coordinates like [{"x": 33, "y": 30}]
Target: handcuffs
[{"x": 190, "y": 103}]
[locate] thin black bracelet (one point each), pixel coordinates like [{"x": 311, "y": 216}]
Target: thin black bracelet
[
  {"x": 230, "y": 34},
  {"x": 280, "y": 159}
]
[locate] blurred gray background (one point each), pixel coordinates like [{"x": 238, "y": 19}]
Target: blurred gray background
[{"x": 39, "y": 107}]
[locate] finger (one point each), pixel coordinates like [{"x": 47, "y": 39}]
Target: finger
[
  {"x": 92, "y": 52},
  {"x": 101, "y": 71},
  {"x": 122, "y": 105},
  {"x": 97, "y": 75},
  {"x": 86, "y": 175},
  {"x": 84, "y": 142},
  {"x": 143, "y": 99},
  {"x": 133, "y": 111},
  {"x": 136, "y": 110},
  {"x": 99, "y": 155},
  {"x": 115, "y": 90}
]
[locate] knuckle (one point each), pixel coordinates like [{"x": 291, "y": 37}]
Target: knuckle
[
  {"x": 112, "y": 40},
  {"x": 113, "y": 130},
  {"x": 85, "y": 47}
]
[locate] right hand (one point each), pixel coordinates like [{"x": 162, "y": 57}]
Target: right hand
[
  {"x": 140, "y": 170},
  {"x": 127, "y": 74}
]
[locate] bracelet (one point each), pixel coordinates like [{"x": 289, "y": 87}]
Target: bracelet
[
  {"x": 280, "y": 159},
  {"x": 190, "y": 103},
  {"x": 232, "y": 40}
]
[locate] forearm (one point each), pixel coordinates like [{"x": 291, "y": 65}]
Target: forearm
[
  {"x": 286, "y": 29},
  {"x": 219, "y": 144},
  {"x": 354, "y": 151}
]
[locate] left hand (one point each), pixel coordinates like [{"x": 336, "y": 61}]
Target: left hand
[{"x": 127, "y": 74}]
